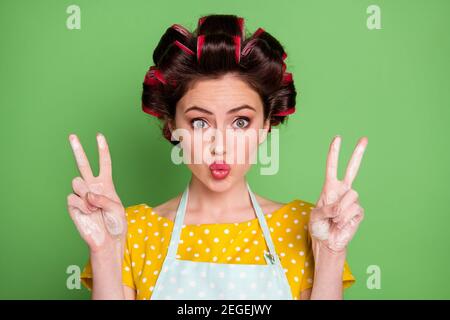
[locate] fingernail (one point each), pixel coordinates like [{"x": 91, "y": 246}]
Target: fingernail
[
  {"x": 91, "y": 196},
  {"x": 101, "y": 140},
  {"x": 74, "y": 142}
]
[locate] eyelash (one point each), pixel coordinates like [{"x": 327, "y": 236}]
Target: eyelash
[{"x": 243, "y": 118}]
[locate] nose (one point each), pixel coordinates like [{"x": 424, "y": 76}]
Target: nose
[{"x": 218, "y": 144}]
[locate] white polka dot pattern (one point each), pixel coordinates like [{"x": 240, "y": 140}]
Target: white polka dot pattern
[
  {"x": 217, "y": 246},
  {"x": 183, "y": 279}
]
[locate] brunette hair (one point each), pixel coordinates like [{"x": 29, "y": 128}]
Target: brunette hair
[{"x": 218, "y": 46}]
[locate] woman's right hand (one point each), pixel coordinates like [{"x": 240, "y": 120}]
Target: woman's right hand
[{"x": 94, "y": 205}]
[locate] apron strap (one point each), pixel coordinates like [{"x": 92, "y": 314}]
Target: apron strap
[
  {"x": 176, "y": 232},
  {"x": 271, "y": 255}
]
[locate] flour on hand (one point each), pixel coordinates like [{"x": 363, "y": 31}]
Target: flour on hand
[{"x": 89, "y": 227}]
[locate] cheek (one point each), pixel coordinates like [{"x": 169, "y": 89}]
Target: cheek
[
  {"x": 246, "y": 145},
  {"x": 198, "y": 148},
  {"x": 198, "y": 170}
]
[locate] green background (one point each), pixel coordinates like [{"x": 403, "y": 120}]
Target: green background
[{"x": 390, "y": 85}]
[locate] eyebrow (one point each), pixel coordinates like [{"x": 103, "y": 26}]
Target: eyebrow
[{"x": 244, "y": 106}]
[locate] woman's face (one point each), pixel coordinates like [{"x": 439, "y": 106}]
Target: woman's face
[{"x": 220, "y": 121}]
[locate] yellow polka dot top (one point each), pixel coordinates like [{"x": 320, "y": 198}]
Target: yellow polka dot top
[{"x": 243, "y": 242}]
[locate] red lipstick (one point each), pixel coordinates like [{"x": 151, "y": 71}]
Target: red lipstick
[{"x": 219, "y": 170}]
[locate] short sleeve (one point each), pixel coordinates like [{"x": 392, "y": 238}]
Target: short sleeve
[
  {"x": 308, "y": 277},
  {"x": 127, "y": 273}
]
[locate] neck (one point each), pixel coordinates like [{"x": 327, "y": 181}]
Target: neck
[{"x": 218, "y": 205}]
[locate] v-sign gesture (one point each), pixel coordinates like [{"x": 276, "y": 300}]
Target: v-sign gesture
[
  {"x": 95, "y": 206},
  {"x": 337, "y": 214}
]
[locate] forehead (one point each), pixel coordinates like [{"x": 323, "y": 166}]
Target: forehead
[{"x": 224, "y": 93}]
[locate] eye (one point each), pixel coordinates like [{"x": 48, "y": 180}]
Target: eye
[
  {"x": 242, "y": 122},
  {"x": 198, "y": 123}
]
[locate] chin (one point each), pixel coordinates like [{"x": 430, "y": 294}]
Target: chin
[{"x": 219, "y": 185}]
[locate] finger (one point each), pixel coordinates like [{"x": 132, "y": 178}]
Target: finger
[
  {"x": 80, "y": 157},
  {"x": 89, "y": 230},
  {"x": 356, "y": 220},
  {"x": 74, "y": 212},
  {"x": 351, "y": 212},
  {"x": 81, "y": 189},
  {"x": 104, "y": 156},
  {"x": 103, "y": 202},
  {"x": 355, "y": 161},
  {"x": 333, "y": 159},
  {"x": 326, "y": 212},
  {"x": 113, "y": 222},
  {"x": 75, "y": 201},
  {"x": 330, "y": 196},
  {"x": 347, "y": 199}
]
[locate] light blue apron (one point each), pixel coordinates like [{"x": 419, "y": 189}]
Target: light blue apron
[{"x": 193, "y": 280}]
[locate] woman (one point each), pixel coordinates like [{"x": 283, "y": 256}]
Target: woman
[{"x": 206, "y": 243}]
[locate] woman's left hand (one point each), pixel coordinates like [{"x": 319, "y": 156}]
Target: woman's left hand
[{"x": 337, "y": 214}]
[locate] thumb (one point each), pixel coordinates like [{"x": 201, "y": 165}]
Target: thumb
[{"x": 102, "y": 201}]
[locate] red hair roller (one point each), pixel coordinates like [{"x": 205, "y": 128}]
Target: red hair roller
[
  {"x": 183, "y": 47},
  {"x": 200, "y": 22},
  {"x": 181, "y": 29},
  {"x": 285, "y": 112},
  {"x": 150, "y": 78},
  {"x": 154, "y": 76},
  {"x": 150, "y": 111},
  {"x": 241, "y": 23},
  {"x": 237, "y": 48},
  {"x": 249, "y": 46},
  {"x": 160, "y": 76},
  {"x": 258, "y": 32},
  {"x": 200, "y": 42},
  {"x": 287, "y": 78}
]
